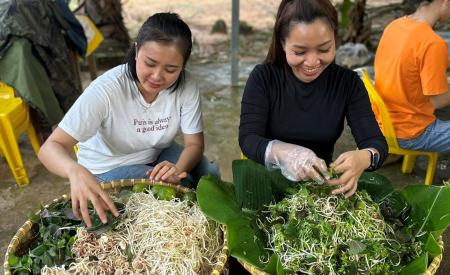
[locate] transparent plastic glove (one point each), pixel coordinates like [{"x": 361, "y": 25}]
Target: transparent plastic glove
[{"x": 296, "y": 163}]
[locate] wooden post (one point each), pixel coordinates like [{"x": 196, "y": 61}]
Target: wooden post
[{"x": 235, "y": 43}]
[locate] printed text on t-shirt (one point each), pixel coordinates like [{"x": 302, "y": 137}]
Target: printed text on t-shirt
[{"x": 149, "y": 125}]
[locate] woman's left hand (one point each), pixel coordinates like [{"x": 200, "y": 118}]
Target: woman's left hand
[
  {"x": 167, "y": 172},
  {"x": 350, "y": 165}
]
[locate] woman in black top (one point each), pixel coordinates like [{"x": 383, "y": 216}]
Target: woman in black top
[{"x": 294, "y": 105}]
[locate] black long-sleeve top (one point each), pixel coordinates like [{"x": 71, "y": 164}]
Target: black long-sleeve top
[{"x": 277, "y": 105}]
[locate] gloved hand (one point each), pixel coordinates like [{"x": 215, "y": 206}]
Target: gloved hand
[{"x": 297, "y": 163}]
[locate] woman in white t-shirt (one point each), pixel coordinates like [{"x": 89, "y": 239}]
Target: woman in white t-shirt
[{"x": 125, "y": 122}]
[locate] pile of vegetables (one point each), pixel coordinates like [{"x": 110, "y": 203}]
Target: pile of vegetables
[
  {"x": 158, "y": 232},
  {"x": 52, "y": 236},
  {"x": 282, "y": 227},
  {"x": 314, "y": 232}
]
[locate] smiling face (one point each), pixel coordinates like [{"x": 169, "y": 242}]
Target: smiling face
[
  {"x": 158, "y": 66},
  {"x": 309, "y": 49}
]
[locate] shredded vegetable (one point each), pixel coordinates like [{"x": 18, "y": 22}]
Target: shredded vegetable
[{"x": 154, "y": 237}]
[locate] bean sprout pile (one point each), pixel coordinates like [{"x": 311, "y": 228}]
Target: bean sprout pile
[
  {"x": 314, "y": 232},
  {"x": 154, "y": 237}
]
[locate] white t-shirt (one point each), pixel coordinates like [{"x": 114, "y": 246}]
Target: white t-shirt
[{"x": 115, "y": 126}]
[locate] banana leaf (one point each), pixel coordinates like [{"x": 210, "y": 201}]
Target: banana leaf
[
  {"x": 423, "y": 210},
  {"x": 218, "y": 201},
  {"x": 418, "y": 266},
  {"x": 258, "y": 188},
  {"x": 432, "y": 246},
  {"x": 430, "y": 208}
]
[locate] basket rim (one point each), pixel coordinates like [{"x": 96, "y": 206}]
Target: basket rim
[
  {"x": 110, "y": 185},
  {"x": 431, "y": 270}
]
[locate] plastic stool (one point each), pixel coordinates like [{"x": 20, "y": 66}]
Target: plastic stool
[{"x": 14, "y": 120}]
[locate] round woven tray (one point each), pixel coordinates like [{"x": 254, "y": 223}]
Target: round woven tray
[
  {"x": 23, "y": 233},
  {"x": 432, "y": 268}
]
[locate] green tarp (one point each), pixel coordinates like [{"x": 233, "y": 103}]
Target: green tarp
[{"x": 21, "y": 70}]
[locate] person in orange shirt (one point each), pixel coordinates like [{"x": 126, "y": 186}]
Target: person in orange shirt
[{"x": 411, "y": 76}]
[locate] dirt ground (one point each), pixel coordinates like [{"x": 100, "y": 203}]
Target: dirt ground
[
  {"x": 202, "y": 14},
  {"x": 220, "y": 103}
]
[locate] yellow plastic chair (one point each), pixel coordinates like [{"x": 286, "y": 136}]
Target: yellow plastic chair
[
  {"x": 14, "y": 120},
  {"x": 6, "y": 91},
  {"x": 243, "y": 156},
  {"x": 409, "y": 156}
]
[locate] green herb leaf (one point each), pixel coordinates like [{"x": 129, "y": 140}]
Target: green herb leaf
[
  {"x": 189, "y": 196},
  {"x": 356, "y": 247},
  {"x": 130, "y": 255},
  {"x": 13, "y": 261},
  {"x": 164, "y": 192},
  {"x": 39, "y": 250},
  {"x": 139, "y": 187}
]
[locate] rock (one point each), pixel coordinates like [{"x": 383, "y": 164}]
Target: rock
[
  {"x": 219, "y": 27},
  {"x": 245, "y": 28},
  {"x": 352, "y": 55}
]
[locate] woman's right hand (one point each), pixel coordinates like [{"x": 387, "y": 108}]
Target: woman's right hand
[
  {"x": 55, "y": 154},
  {"x": 167, "y": 172},
  {"x": 84, "y": 188},
  {"x": 297, "y": 163}
]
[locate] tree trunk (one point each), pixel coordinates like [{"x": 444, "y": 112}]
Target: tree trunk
[
  {"x": 107, "y": 16},
  {"x": 359, "y": 28}
]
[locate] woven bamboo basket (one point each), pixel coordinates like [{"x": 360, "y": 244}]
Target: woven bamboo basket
[
  {"x": 24, "y": 232},
  {"x": 431, "y": 270}
]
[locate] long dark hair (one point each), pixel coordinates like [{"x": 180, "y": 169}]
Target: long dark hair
[
  {"x": 166, "y": 28},
  {"x": 297, "y": 11}
]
